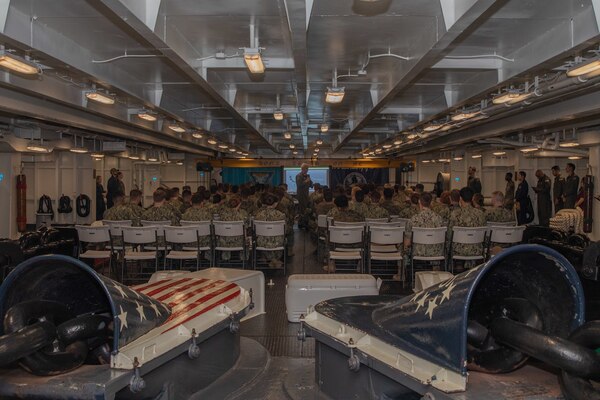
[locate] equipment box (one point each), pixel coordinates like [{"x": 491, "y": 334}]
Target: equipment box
[{"x": 304, "y": 290}]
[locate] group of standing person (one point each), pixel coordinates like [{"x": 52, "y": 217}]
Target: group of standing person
[
  {"x": 562, "y": 194},
  {"x": 113, "y": 186}
]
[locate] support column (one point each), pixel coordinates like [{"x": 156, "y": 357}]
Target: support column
[
  {"x": 10, "y": 167},
  {"x": 594, "y": 165}
]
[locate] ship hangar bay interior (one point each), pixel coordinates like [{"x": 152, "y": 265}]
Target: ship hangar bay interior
[{"x": 299, "y": 199}]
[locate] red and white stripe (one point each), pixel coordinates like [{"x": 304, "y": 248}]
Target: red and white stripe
[{"x": 189, "y": 298}]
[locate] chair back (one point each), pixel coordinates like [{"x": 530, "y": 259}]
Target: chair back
[
  {"x": 322, "y": 221},
  {"x": 139, "y": 235},
  {"x": 181, "y": 234},
  {"x": 465, "y": 235},
  {"x": 203, "y": 226},
  {"x": 116, "y": 230},
  {"x": 346, "y": 234},
  {"x": 510, "y": 223},
  {"x": 92, "y": 234},
  {"x": 376, "y": 221},
  {"x": 387, "y": 234},
  {"x": 126, "y": 222},
  {"x": 229, "y": 228},
  {"x": 429, "y": 235},
  {"x": 155, "y": 223},
  {"x": 507, "y": 234},
  {"x": 340, "y": 223},
  {"x": 269, "y": 228}
]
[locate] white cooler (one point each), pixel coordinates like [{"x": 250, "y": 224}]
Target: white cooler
[{"x": 305, "y": 290}]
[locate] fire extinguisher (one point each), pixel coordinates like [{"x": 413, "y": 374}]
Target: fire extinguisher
[
  {"x": 588, "y": 190},
  {"x": 21, "y": 203}
]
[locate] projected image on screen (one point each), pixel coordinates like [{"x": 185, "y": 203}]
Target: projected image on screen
[{"x": 317, "y": 175}]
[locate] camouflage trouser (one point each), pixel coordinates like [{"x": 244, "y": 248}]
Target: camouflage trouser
[
  {"x": 460, "y": 249},
  {"x": 271, "y": 242},
  {"x": 233, "y": 241},
  {"x": 203, "y": 242}
]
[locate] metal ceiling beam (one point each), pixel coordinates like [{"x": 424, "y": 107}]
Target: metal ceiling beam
[
  {"x": 566, "y": 111},
  {"x": 123, "y": 17},
  {"x": 33, "y": 106},
  {"x": 460, "y": 23}
]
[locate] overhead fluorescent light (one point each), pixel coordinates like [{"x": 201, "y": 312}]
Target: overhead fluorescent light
[
  {"x": 444, "y": 160},
  {"x": 18, "y": 64},
  {"x": 499, "y": 153},
  {"x": 97, "y": 155},
  {"x": 147, "y": 115},
  {"x": 292, "y": 146},
  {"x": 476, "y": 156},
  {"x": 569, "y": 144},
  {"x": 223, "y": 146},
  {"x": 319, "y": 142},
  {"x": 412, "y": 136},
  {"x": 398, "y": 142},
  {"x": 100, "y": 97},
  {"x": 425, "y": 161},
  {"x": 278, "y": 115},
  {"x": 511, "y": 97},
  {"x": 528, "y": 149},
  {"x": 179, "y": 163},
  {"x": 575, "y": 157},
  {"x": 387, "y": 146},
  {"x": 446, "y": 128},
  {"x": 254, "y": 61},
  {"x": 317, "y": 150},
  {"x": 458, "y": 158},
  {"x": 176, "y": 128},
  {"x": 152, "y": 158},
  {"x": 78, "y": 150},
  {"x": 464, "y": 116},
  {"x": 134, "y": 157},
  {"x": 212, "y": 141},
  {"x": 432, "y": 127},
  {"x": 324, "y": 128},
  {"x": 584, "y": 68},
  {"x": 287, "y": 135},
  {"x": 38, "y": 148},
  {"x": 334, "y": 95},
  {"x": 294, "y": 152},
  {"x": 240, "y": 152},
  {"x": 232, "y": 150},
  {"x": 197, "y": 135}
]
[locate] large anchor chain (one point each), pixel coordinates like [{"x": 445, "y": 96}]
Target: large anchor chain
[{"x": 504, "y": 343}]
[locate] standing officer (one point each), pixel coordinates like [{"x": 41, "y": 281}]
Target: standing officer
[
  {"x": 571, "y": 186},
  {"x": 473, "y": 182},
  {"x": 544, "y": 201},
  {"x": 303, "y": 184},
  {"x": 558, "y": 190}
]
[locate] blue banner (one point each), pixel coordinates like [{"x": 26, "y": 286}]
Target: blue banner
[{"x": 238, "y": 176}]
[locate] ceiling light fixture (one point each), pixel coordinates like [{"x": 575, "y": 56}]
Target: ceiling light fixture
[
  {"x": 100, "y": 97},
  {"x": 197, "y": 134},
  {"x": 575, "y": 158},
  {"x": 528, "y": 149},
  {"x": 176, "y": 128},
  {"x": 335, "y": 95},
  {"x": 212, "y": 141},
  {"x": 231, "y": 149},
  {"x": 458, "y": 158},
  {"x": 499, "y": 153},
  {"x": 18, "y": 64},
  {"x": 319, "y": 142},
  {"x": 292, "y": 146},
  {"x": 387, "y": 146},
  {"x": 147, "y": 115},
  {"x": 476, "y": 156},
  {"x": 254, "y": 61},
  {"x": 97, "y": 155},
  {"x": 223, "y": 146},
  {"x": 38, "y": 147},
  {"x": 152, "y": 158},
  {"x": 510, "y": 97},
  {"x": 569, "y": 145},
  {"x": 462, "y": 116},
  {"x": 317, "y": 150},
  {"x": 398, "y": 142},
  {"x": 78, "y": 150},
  {"x": 425, "y": 161},
  {"x": 287, "y": 135},
  {"x": 433, "y": 127},
  {"x": 278, "y": 115},
  {"x": 294, "y": 152},
  {"x": 584, "y": 68},
  {"x": 412, "y": 136},
  {"x": 324, "y": 128},
  {"x": 134, "y": 157}
]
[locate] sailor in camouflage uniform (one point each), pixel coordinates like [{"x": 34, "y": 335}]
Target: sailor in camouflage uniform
[
  {"x": 232, "y": 212},
  {"x": 468, "y": 217},
  {"x": 498, "y": 213},
  {"x": 357, "y": 204},
  {"x": 374, "y": 210},
  {"x": 198, "y": 213},
  {"x": 322, "y": 208},
  {"x": 270, "y": 213},
  {"x": 118, "y": 212},
  {"x": 173, "y": 202},
  {"x": 342, "y": 213},
  {"x": 248, "y": 203},
  {"x": 425, "y": 218},
  {"x": 394, "y": 208},
  {"x": 160, "y": 211},
  {"x": 409, "y": 212},
  {"x": 454, "y": 204}
]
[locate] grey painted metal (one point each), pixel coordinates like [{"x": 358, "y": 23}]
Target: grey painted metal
[{"x": 475, "y": 14}]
